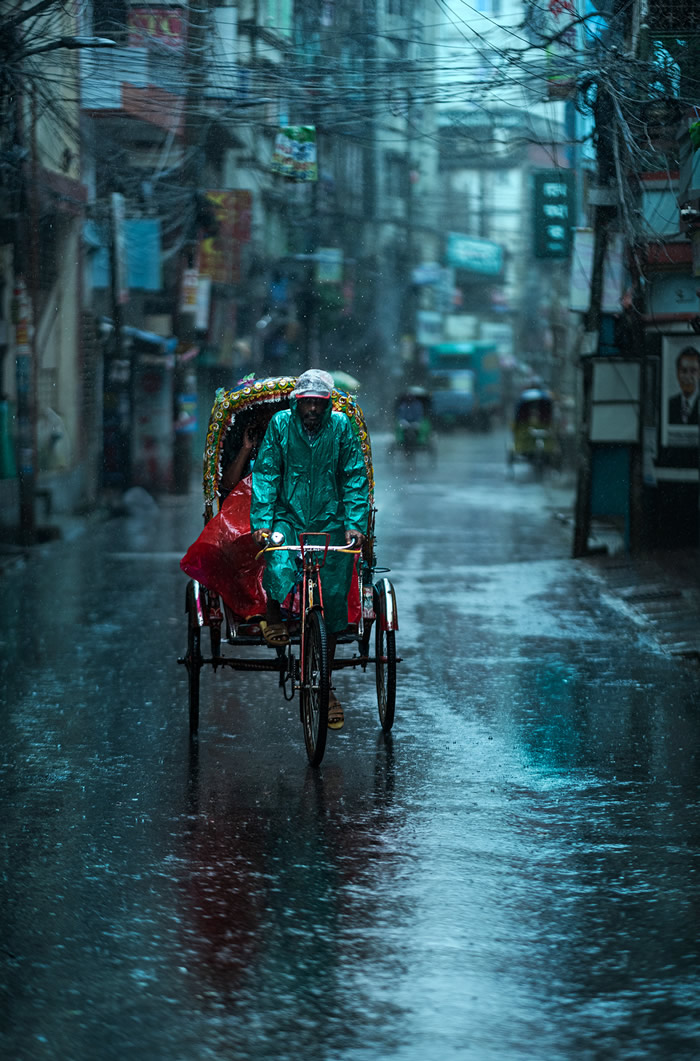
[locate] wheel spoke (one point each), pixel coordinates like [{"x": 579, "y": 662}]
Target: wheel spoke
[{"x": 315, "y": 687}]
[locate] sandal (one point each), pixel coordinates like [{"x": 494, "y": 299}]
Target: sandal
[
  {"x": 274, "y": 634},
  {"x": 336, "y": 718}
]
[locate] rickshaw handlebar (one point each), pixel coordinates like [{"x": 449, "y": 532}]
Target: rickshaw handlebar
[
  {"x": 313, "y": 548},
  {"x": 298, "y": 548}
]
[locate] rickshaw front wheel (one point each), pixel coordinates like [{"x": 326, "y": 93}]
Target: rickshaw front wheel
[
  {"x": 315, "y": 687},
  {"x": 385, "y": 652}
]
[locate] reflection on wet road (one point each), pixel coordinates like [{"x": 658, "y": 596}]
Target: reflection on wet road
[{"x": 511, "y": 876}]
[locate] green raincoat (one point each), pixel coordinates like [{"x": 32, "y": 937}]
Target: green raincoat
[{"x": 310, "y": 484}]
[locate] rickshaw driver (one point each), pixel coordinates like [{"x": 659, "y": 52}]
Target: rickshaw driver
[{"x": 309, "y": 476}]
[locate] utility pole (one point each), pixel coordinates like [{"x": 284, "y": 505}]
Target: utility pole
[
  {"x": 197, "y": 28},
  {"x": 604, "y": 198},
  {"x": 25, "y": 309},
  {"x": 122, "y": 397}
]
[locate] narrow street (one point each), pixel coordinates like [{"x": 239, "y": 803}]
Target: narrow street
[{"x": 512, "y": 875}]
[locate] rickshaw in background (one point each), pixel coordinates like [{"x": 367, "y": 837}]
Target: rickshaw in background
[
  {"x": 413, "y": 423},
  {"x": 535, "y": 438},
  {"x": 225, "y": 594}
]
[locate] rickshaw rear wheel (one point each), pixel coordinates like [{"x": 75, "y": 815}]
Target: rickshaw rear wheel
[
  {"x": 385, "y": 652},
  {"x": 215, "y": 636},
  {"x": 315, "y": 687},
  {"x": 194, "y": 666}
]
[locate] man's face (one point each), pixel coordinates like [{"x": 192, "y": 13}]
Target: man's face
[
  {"x": 689, "y": 373},
  {"x": 311, "y": 411}
]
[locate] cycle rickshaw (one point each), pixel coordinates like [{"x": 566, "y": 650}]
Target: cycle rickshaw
[
  {"x": 234, "y": 639},
  {"x": 535, "y": 437},
  {"x": 413, "y": 424}
]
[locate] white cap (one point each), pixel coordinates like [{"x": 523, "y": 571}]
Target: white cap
[{"x": 314, "y": 383}]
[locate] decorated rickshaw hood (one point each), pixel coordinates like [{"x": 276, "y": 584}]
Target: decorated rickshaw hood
[{"x": 276, "y": 390}]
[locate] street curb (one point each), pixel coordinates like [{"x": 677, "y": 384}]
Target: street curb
[{"x": 660, "y": 591}]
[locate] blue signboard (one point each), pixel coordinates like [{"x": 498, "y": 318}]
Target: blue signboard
[
  {"x": 143, "y": 253},
  {"x": 474, "y": 254}
]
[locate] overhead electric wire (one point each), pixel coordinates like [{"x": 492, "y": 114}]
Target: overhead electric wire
[{"x": 364, "y": 99}]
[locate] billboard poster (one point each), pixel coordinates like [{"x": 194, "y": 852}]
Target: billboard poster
[
  {"x": 294, "y": 154},
  {"x": 680, "y": 386},
  {"x": 157, "y": 27}
]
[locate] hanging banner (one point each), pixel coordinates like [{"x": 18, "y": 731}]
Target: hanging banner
[
  {"x": 560, "y": 24},
  {"x": 220, "y": 255},
  {"x": 294, "y": 153},
  {"x": 157, "y": 28}
]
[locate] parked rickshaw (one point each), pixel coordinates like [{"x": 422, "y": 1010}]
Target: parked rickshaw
[
  {"x": 413, "y": 423},
  {"x": 235, "y": 638},
  {"x": 535, "y": 438}
]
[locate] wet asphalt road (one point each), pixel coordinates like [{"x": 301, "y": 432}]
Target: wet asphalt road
[{"x": 513, "y": 875}]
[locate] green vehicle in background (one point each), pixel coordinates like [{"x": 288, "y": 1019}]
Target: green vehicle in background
[
  {"x": 535, "y": 435},
  {"x": 465, "y": 383}
]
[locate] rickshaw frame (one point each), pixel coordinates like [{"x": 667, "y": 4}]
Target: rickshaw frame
[{"x": 206, "y": 609}]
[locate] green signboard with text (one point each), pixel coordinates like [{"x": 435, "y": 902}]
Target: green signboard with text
[{"x": 553, "y": 206}]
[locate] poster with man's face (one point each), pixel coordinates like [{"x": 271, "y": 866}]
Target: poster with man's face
[{"x": 680, "y": 391}]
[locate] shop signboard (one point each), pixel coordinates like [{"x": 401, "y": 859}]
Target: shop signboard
[
  {"x": 672, "y": 295},
  {"x": 582, "y": 270},
  {"x": 474, "y": 255},
  {"x": 553, "y": 208},
  {"x": 141, "y": 238},
  {"x": 427, "y": 273}
]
